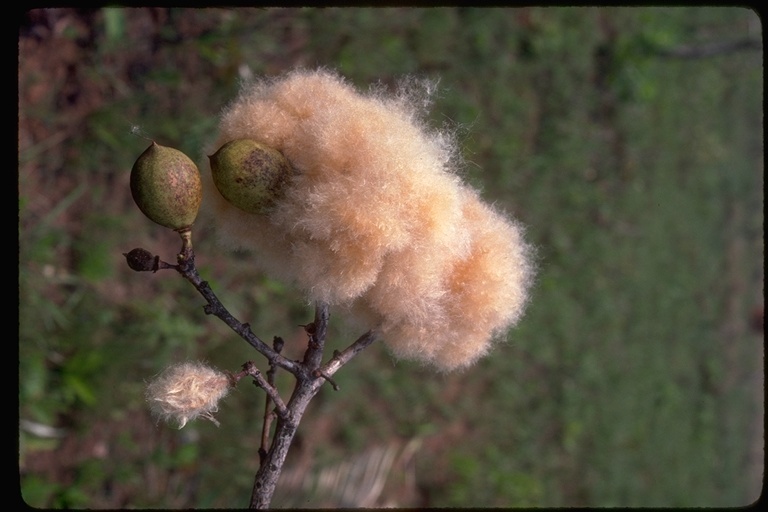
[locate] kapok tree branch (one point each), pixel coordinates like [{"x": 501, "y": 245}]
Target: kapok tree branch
[
  {"x": 269, "y": 414},
  {"x": 250, "y": 369},
  {"x": 143, "y": 260},
  {"x": 265, "y": 481},
  {"x": 215, "y": 307},
  {"x": 339, "y": 359},
  {"x": 272, "y": 464},
  {"x": 310, "y": 373}
]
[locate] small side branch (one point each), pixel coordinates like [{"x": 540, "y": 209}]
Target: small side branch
[
  {"x": 216, "y": 308},
  {"x": 310, "y": 373},
  {"x": 318, "y": 373},
  {"x": 269, "y": 414},
  {"x": 339, "y": 359},
  {"x": 250, "y": 369},
  {"x": 142, "y": 260}
]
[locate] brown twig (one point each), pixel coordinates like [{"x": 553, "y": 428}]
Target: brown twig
[
  {"x": 316, "y": 331},
  {"x": 269, "y": 415},
  {"x": 318, "y": 373},
  {"x": 271, "y": 466},
  {"x": 260, "y": 381},
  {"x": 186, "y": 267},
  {"x": 339, "y": 359},
  {"x": 266, "y": 426},
  {"x": 310, "y": 373}
]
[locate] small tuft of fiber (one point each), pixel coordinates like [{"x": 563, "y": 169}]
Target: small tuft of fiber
[{"x": 186, "y": 391}]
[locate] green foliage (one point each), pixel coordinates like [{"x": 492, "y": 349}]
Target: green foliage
[
  {"x": 40, "y": 493},
  {"x": 638, "y": 176}
]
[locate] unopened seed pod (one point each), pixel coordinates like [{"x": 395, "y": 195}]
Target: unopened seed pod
[
  {"x": 141, "y": 260},
  {"x": 250, "y": 175},
  {"x": 166, "y": 186}
]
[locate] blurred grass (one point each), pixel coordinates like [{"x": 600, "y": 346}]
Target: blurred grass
[{"x": 634, "y": 380}]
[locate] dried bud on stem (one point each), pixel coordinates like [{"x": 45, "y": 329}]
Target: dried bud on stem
[{"x": 141, "y": 260}]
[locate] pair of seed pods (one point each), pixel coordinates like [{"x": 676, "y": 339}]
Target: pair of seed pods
[{"x": 166, "y": 185}]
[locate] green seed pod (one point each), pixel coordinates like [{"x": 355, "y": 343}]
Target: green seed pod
[
  {"x": 166, "y": 186},
  {"x": 250, "y": 175}
]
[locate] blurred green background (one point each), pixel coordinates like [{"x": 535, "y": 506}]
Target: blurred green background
[{"x": 628, "y": 140}]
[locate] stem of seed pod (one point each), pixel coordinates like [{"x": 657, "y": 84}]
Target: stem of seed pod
[{"x": 186, "y": 244}]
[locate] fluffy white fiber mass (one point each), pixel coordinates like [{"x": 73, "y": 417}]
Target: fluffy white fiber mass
[{"x": 375, "y": 217}]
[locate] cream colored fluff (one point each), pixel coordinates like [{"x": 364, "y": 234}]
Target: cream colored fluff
[{"x": 375, "y": 218}]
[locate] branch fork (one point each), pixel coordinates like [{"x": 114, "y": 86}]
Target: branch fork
[{"x": 310, "y": 372}]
